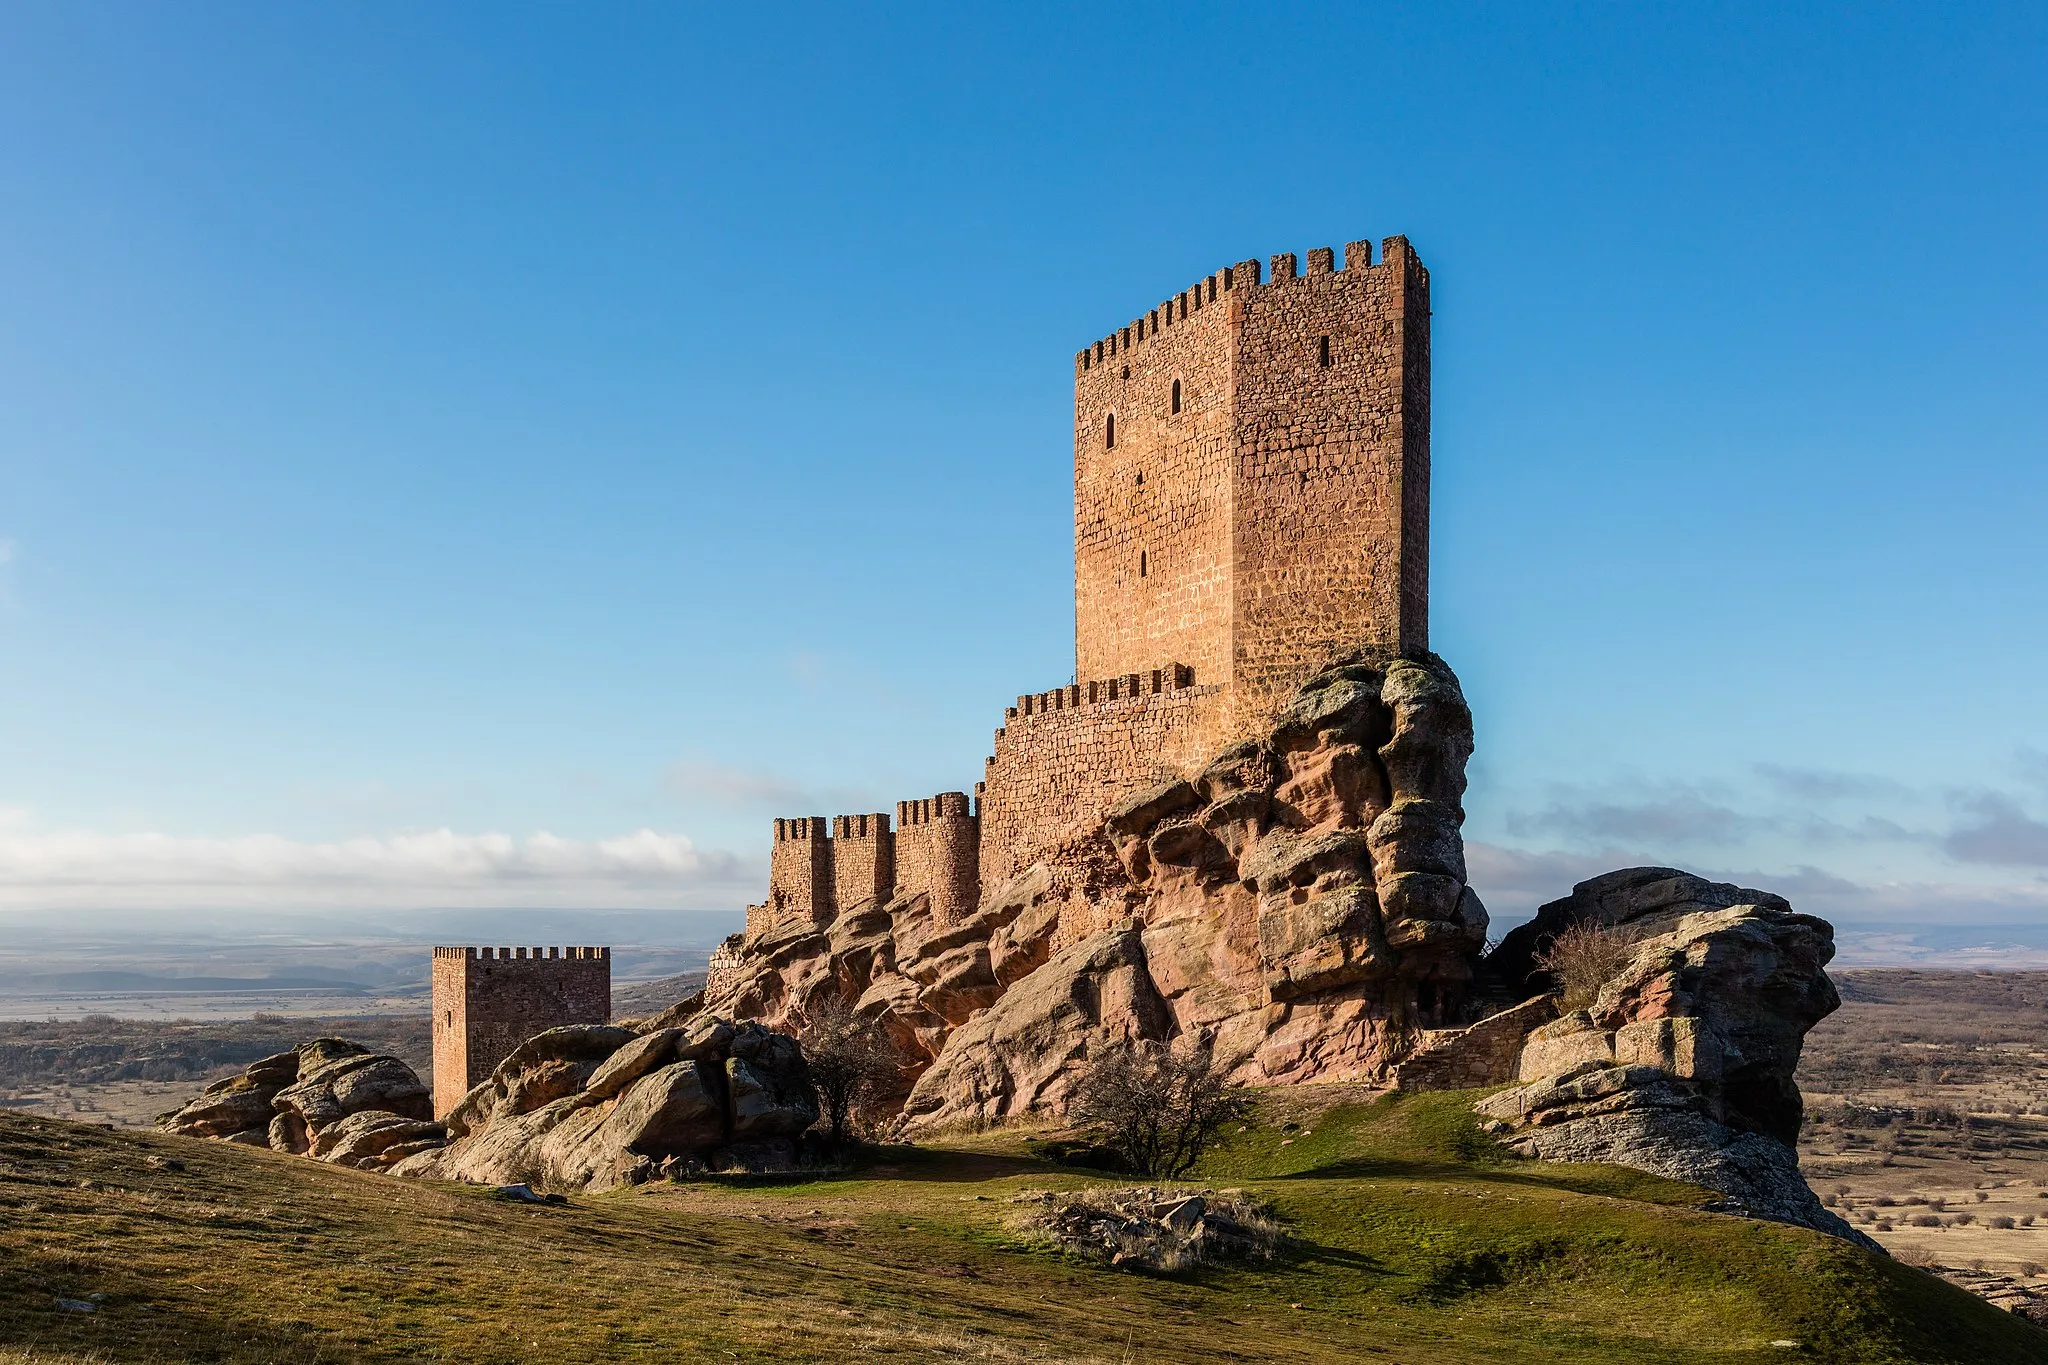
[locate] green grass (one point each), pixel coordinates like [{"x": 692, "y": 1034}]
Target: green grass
[{"x": 1415, "y": 1239}]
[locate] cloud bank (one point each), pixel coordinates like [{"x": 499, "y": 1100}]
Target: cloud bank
[{"x": 647, "y": 868}]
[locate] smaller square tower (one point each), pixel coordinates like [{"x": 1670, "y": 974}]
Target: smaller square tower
[{"x": 487, "y": 1001}]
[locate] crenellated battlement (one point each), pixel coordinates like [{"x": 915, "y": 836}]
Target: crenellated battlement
[
  {"x": 1151, "y": 683},
  {"x": 822, "y": 868},
  {"x": 1238, "y": 279},
  {"x": 938, "y": 853},
  {"x": 944, "y": 806},
  {"x": 527, "y": 954}
]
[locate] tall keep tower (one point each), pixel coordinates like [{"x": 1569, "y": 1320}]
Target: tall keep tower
[{"x": 1251, "y": 478}]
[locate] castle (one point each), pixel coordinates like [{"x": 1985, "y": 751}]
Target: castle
[
  {"x": 487, "y": 1003},
  {"x": 1251, "y": 498}
]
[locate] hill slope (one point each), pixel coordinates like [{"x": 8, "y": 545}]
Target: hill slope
[{"x": 1417, "y": 1242}]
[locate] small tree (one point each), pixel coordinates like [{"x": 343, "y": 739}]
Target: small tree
[
  {"x": 848, "y": 1057},
  {"x": 1583, "y": 957},
  {"x": 1156, "y": 1107}
]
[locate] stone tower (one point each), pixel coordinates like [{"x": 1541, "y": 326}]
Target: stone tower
[
  {"x": 1251, "y": 479},
  {"x": 487, "y": 1002},
  {"x": 1251, "y": 500}
]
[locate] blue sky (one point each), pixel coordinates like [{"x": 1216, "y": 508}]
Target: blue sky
[{"x": 471, "y": 455}]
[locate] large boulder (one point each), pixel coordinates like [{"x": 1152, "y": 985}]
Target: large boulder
[
  {"x": 1682, "y": 1062},
  {"x": 1024, "y": 1053},
  {"x": 329, "y": 1098},
  {"x": 595, "y": 1106}
]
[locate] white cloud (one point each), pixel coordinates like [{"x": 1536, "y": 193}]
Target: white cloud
[{"x": 436, "y": 866}]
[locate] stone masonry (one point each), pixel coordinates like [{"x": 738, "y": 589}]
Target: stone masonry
[
  {"x": 488, "y": 1001},
  {"x": 1251, "y": 499}
]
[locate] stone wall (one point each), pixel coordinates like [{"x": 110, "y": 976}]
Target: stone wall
[
  {"x": 863, "y": 857},
  {"x": 1063, "y": 758},
  {"x": 1331, "y": 515},
  {"x": 1152, "y": 508},
  {"x": 1251, "y": 478},
  {"x": 489, "y": 1001},
  {"x": 938, "y": 852},
  {"x": 800, "y": 879}
]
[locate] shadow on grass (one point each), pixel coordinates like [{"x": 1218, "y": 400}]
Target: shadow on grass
[
  {"x": 1614, "y": 1182},
  {"x": 935, "y": 1165}
]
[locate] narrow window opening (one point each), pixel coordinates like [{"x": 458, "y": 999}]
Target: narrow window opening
[
  {"x": 1141, "y": 478},
  {"x": 1127, "y": 372},
  {"x": 449, "y": 1018},
  {"x": 1323, "y": 352},
  {"x": 1141, "y": 563},
  {"x": 1176, "y": 395},
  {"x": 1109, "y": 433}
]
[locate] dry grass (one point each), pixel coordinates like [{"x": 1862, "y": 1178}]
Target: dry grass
[
  {"x": 1410, "y": 1238},
  {"x": 1927, "y": 1115}
]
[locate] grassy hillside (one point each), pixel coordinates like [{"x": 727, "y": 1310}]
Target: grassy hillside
[{"x": 1416, "y": 1242}]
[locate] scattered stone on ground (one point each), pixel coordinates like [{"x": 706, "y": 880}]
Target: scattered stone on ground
[{"x": 1147, "y": 1227}]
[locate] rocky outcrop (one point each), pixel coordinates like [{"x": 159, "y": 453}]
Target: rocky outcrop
[
  {"x": 1720, "y": 988},
  {"x": 1644, "y": 1118},
  {"x": 591, "y": 1106},
  {"x": 330, "y": 1099},
  {"x": 1300, "y": 905},
  {"x": 1682, "y": 1063}
]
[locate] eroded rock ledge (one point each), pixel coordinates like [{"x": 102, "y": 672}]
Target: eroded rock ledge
[{"x": 1300, "y": 904}]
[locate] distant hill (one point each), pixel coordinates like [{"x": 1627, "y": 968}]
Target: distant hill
[
  {"x": 643, "y": 998},
  {"x": 135, "y": 983}
]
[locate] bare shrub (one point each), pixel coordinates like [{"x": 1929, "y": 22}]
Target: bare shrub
[
  {"x": 849, "y": 1059},
  {"x": 1156, "y": 1107},
  {"x": 2001, "y": 1222},
  {"x": 1581, "y": 958},
  {"x": 1923, "y": 1220}
]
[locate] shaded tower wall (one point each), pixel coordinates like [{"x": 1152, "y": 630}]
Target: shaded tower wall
[
  {"x": 800, "y": 869},
  {"x": 488, "y": 1001},
  {"x": 863, "y": 860}
]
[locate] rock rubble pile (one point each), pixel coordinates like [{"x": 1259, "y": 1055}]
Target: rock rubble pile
[{"x": 1146, "y": 1227}]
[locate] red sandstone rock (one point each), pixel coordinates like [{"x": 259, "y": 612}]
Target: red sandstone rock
[{"x": 1298, "y": 901}]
